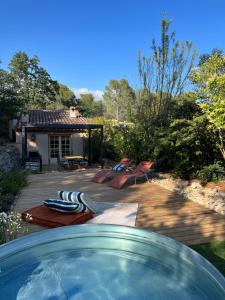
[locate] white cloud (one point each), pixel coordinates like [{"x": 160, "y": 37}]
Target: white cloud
[{"x": 98, "y": 95}]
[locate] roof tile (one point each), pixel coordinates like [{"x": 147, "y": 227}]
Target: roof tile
[{"x": 53, "y": 117}]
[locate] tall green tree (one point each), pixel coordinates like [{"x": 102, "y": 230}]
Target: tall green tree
[
  {"x": 185, "y": 106},
  {"x": 204, "y": 57},
  {"x": 209, "y": 78},
  {"x": 64, "y": 98},
  {"x": 88, "y": 107},
  {"x": 119, "y": 100},
  {"x": 10, "y": 105},
  {"x": 163, "y": 75},
  {"x": 32, "y": 83},
  {"x": 98, "y": 108}
]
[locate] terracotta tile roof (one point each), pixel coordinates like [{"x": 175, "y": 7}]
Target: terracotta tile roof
[{"x": 53, "y": 117}]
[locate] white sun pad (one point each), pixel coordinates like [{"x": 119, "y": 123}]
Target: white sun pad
[{"x": 118, "y": 214}]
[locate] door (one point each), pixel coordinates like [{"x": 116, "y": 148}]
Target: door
[
  {"x": 65, "y": 145},
  {"x": 59, "y": 146}
]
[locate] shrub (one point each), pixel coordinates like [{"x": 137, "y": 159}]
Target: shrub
[
  {"x": 213, "y": 172},
  {"x": 12, "y": 182},
  {"x": 11, "y": 226},
  {"x": 122, "y": 139},
  {"x": 185, "y": 170},
  {"x": 193, "y": 146},
  {"x": 185, "y": 146}
]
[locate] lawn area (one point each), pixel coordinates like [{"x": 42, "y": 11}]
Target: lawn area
[{"x": 214, "y": 252}]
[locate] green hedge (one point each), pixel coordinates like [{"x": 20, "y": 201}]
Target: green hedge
[
  {"x": 186, "y": 147},
  {"x": 213, "y": 172},
  {"x": 10, "y": 184}
]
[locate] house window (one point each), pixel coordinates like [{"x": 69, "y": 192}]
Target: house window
[
  {"x": 59, "y": 146},
  {"x": 65, "y": 145},
  {"x": 54, "y": 146}
]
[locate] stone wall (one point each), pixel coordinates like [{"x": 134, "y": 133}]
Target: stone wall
[
  {"x": 9, "y": 158},
  {"x": 211, "y": 198}
]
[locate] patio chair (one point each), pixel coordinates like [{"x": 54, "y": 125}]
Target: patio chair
[
  {"x": 102, "y": 175},
  {"x": 62, "y": 164},
  {"x": 139, "y": 172}
]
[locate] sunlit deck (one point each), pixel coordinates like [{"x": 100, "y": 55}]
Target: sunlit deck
[{"x": 160, "y": 210}]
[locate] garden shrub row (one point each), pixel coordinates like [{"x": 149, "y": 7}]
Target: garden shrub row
[{"x": 10, "y": 184}]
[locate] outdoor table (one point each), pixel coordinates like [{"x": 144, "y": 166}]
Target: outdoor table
[{"x": 74, "y": 159}]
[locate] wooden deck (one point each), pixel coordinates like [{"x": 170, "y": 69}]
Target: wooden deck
[{"x": 159, "y": 210}]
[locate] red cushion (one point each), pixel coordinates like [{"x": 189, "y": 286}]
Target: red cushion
[{"x": 42, "y": 215}]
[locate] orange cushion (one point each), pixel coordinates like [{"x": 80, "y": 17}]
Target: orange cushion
[{"x": 42, "y": 215}]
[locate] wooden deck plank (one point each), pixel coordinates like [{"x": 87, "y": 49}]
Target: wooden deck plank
[{"x": 160, "y": 210}]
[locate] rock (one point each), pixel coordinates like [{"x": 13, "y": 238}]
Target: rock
[
  {"x": 220, "y": 195},
  {"x": 196, "y": 185},
  {"x": 210, "y": 198},
  {"x": 165, "y": 175},
  {"x": 9, "y": 158},
  {"x": 182, "y": 183}
]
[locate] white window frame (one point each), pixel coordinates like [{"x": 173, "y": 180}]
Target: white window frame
[{"x": 61, "y": 152}]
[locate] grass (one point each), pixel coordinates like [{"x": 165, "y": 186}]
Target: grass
[{"x": 214, "y": 252}]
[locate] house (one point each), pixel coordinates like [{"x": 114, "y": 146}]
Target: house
[{"x": 53, "y": 134}]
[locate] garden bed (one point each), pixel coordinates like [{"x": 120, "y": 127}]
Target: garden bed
[
  {"x": 211, "y": 195},
  {"x": 10, "y": 185}
]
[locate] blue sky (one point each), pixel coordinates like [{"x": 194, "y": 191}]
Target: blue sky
[{"x": 85, "y": 43}]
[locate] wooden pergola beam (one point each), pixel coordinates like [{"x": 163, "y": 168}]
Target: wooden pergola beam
[
  {"x": 89, "y": 147},
  {"x": 24, "y": 144}
]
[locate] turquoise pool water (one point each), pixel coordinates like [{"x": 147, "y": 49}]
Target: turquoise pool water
[{"x": 105, "y": 262}]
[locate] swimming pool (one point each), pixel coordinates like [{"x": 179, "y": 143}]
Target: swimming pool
[{"x": 105, "y": 262}]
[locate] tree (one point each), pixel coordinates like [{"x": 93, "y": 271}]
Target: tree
[
  {"x": 185, "y": 106},
  {"x": 88, "y": 107},
  {"x": 204, "y": 57},
  {"x": 98, "y": 109},
  {"x": 119, "y": 100},
  {"x": 209, "y": 78},
  {"x": 163, "y": 75},
  {"x": 64, "y": 98},
  {"x": 9, "y": 102},
  {"x": 32, "y": 83}
]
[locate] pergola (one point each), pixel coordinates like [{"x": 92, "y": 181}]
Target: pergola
[{"x": 64, "y": 128}]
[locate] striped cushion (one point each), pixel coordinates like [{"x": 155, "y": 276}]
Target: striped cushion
[
  {"x": 77, "y": 197},
  {"x": 119, "y": 167},
  {"x": 61, "y": 205}
]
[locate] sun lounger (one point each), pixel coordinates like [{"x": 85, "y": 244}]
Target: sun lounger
[
  {"x": 140, "y": 171},
  {"x": 101, "y": 176}
]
